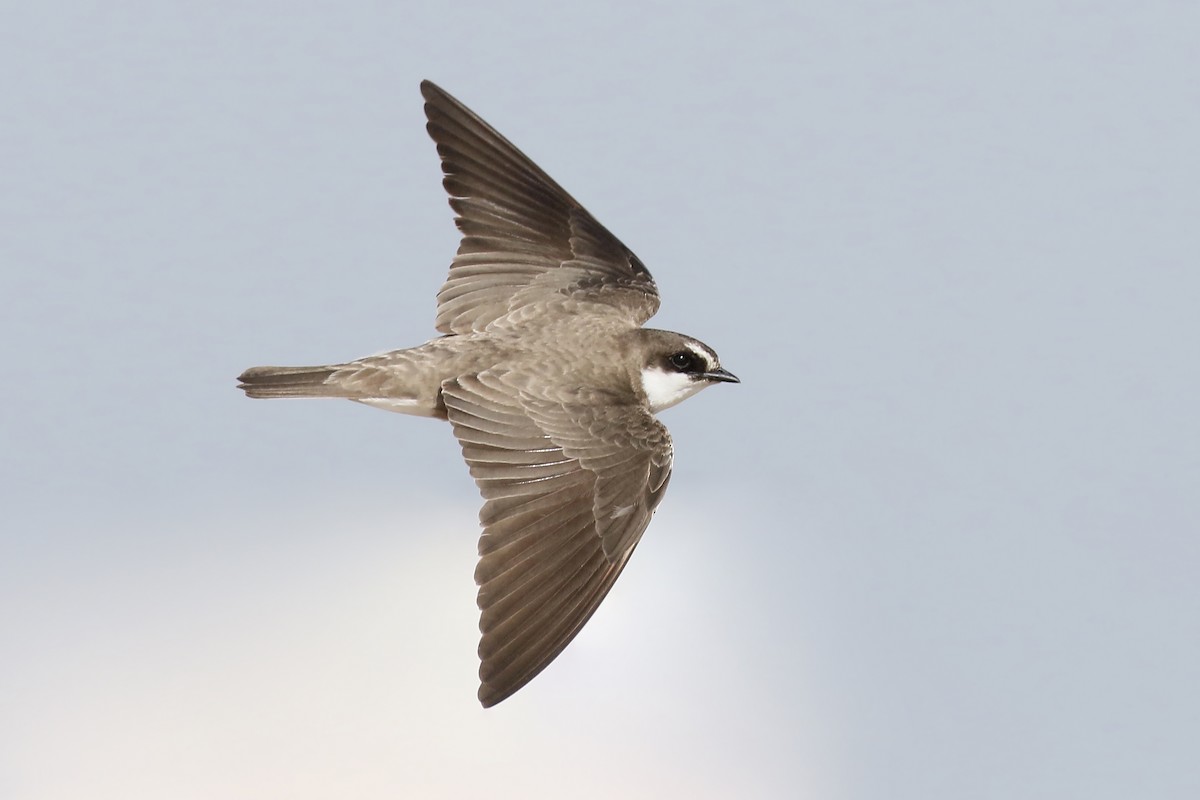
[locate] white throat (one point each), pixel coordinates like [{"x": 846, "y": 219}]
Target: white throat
[{"x": 664, "y": 389}]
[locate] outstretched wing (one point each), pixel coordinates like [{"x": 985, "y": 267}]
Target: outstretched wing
[
  {"x": 568, "y": 491},
  {"x": 528, "y": 247}
]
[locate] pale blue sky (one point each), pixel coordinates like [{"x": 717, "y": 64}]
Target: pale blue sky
[{"x": 942, "y": 541}]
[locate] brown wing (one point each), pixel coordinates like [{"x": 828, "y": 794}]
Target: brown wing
[
  {"x": 527, "y": 245},
  {"x": 564, "y": 508}
]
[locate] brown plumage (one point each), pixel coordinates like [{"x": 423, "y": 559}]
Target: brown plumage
[{"x": 550, "y": 384}]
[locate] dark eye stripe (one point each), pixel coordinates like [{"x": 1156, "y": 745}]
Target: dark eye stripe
[{"x": 683, "y": 361}]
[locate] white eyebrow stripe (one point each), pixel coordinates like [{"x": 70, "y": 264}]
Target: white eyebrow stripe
[{"x": 707, "y": 356}]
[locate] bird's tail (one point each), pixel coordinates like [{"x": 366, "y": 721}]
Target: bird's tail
[{"x": 289, "y": 382}]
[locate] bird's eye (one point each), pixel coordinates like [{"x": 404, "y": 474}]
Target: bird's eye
[{"x": 683, "y": 361}]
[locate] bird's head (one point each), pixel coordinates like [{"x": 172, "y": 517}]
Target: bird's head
[{"x": 674, "y": 367}]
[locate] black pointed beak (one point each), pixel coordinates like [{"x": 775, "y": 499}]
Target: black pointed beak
[{"x": 722, "y": 375}]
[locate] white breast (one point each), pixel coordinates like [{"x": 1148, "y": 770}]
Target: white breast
[{"x": 664, "y": 389}]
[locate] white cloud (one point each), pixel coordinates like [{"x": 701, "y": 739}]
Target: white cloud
[{"x": 338, "y": 660}]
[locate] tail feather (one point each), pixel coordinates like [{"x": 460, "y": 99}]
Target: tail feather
[{"x": 289, "y": 382}]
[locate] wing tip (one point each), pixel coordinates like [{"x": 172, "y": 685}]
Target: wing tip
[
  {"x": 490, "y": 695},
  {"x": 429, "y": 89}
]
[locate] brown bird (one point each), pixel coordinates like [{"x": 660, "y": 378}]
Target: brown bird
[{"x": 550, "y": 384}]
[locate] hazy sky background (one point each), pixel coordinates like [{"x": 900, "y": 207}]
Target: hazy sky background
[{"x": 942, "y": 541}]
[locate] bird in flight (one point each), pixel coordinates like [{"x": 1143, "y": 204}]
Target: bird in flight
[{"x": 550, "y": 383}]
